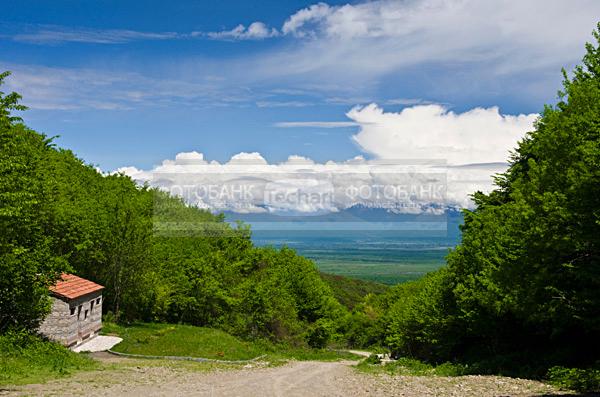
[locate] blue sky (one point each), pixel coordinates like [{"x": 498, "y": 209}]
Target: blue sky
[{"x": 132, "y": 83}]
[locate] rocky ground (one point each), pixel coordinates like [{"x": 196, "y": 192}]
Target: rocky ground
[{"x": 302, "y": 378}]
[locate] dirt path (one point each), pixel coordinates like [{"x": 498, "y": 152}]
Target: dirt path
[{"x": 304, "y": 378}]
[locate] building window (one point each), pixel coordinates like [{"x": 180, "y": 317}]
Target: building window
[
  {"x": 91, "y": 306},
  {"x": 85, "y": 315},
  {"x": 72, "y": 311},
  {"x": 98, "y": 301},
  {"x": 78, "y": 312}
]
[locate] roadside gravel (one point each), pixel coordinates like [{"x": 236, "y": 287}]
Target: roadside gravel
[{"x": 149, "y": 378}]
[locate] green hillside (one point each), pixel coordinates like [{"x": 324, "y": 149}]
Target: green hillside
[
  {"x": 351, "y": 291},
  {"x": 158, "y": 258}
]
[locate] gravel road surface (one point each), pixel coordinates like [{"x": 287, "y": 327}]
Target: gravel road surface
[{"x": 297, "y": 378}]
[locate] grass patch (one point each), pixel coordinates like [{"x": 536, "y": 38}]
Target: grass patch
[
  {"x": 25, "y": 358},
  {"x": 181, "y": 340},
  {"x": 283, "y": 352},
  {"x": 578, "y": 379},
  {"x": 186, "y": 340},
  {"x": 409, "y": 366},
  {"x": 583, "y": 380}
]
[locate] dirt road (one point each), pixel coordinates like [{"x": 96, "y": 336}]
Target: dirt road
[{"x": 303, "y": 378}]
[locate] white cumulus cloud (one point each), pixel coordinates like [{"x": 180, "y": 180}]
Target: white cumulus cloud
[
  {"x": 189, "y": 158},
  {"x": 479, "y": 135}
]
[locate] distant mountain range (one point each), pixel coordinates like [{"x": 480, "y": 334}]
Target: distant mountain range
[{"x": 357, "y": 213}]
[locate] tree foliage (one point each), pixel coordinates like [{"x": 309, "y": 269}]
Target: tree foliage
[
  {"x": 58, "y": 214},
  {"x": 525, "y": 280},
  {"x": 27, "y": 263}
]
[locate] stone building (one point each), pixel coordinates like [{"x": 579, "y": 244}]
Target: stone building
[{"x": 76, "y": 314}]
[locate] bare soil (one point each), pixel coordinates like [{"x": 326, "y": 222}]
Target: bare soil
[{"x": 149, "y": 378}]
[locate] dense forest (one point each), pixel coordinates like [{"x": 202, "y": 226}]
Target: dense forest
[
  {"x": 520, "y": 293},
  {"x": 522, "y": 290},
  {"x": 60, "y": 215}
]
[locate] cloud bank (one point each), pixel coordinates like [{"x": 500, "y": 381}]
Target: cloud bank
[
  {"x": 426, "y": 158},
  {"x": 247, "y": 183},
  {"x": 352, "y": 54},
  {"x": 384, "y": 35}
]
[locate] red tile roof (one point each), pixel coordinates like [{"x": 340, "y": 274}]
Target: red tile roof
[{"x": 72, "y": 287}]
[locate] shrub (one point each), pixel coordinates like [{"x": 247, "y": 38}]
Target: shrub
[
  {"x": 373, "y": 359},
  {"x": 578, "y": 379},
  {"x": 28, "y": 358},
  {"x": 320, "y": 333}
]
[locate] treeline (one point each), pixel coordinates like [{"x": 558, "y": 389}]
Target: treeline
[
  {"x": 523, "y": 287},
  {"x": 58, "y": 214}
]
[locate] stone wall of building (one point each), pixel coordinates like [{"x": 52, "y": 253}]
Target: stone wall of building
[
  {"x": 88, "y": 324},
  {"x": 60, "y": 325},
  {"x": 72, "y": 321}
]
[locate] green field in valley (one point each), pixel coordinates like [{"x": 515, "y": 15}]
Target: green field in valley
[{"x": 381, "y": 272}]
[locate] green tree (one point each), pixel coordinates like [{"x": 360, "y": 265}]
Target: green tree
[
  {"x": 525, "y": 279},
  {"x": 27, "y": 264},
  {"x": 531, "y": 249},
  {"x": 158, "y": 258}
]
